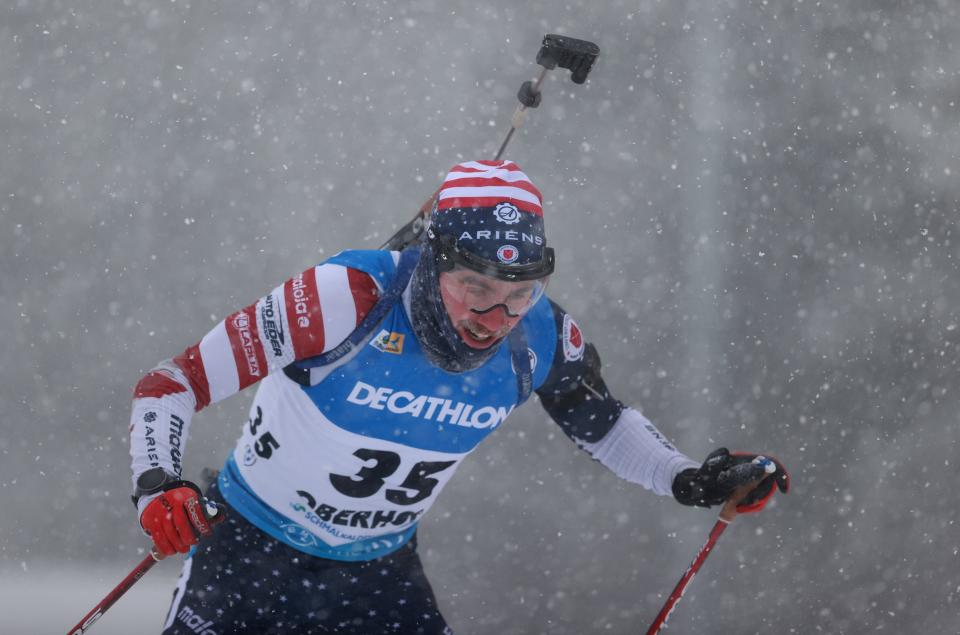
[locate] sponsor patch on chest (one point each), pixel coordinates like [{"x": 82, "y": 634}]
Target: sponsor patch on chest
[{"x": 428, "y": 407}]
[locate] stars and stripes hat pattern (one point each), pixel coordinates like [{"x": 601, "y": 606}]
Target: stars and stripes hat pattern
[{"x": 492, "y": 210}]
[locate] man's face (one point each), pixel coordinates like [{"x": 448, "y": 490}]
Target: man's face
[{"x": 484, "y": 309}]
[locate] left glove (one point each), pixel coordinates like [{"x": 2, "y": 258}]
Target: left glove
[{"x": 722, "y": 472}]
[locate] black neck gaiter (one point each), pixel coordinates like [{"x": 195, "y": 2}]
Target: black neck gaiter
[{"x": 431, "y": 324}]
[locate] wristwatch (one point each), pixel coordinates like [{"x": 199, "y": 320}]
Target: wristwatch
[{"x": 152, "y": 481}]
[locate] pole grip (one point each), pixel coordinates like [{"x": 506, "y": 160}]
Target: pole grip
[{"x": 729, "y": 510}]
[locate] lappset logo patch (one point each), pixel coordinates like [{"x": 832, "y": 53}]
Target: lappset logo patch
[
  {"x": 507, "y": 213},
  {"x": 572, "y": 340},
  {"x": 388, "y": 342}
]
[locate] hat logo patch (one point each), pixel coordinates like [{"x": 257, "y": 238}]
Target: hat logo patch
[
  {"x": 507, "y": 213},
  {"x": 508, "y": 254}
]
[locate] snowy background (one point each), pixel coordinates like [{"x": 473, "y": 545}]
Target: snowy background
[{"x": 755, "y": 209}]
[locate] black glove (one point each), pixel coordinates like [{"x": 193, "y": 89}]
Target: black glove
[{"x": 721, "y": 473}]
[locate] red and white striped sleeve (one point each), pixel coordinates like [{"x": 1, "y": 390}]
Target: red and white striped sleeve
[{"x": 307, "y": 315}]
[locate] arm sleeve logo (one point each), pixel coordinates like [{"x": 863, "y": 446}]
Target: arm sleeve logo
[{"x": 572, "y": 340}]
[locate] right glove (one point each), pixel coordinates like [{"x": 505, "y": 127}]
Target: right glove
[
  {"x": 175, "y": 515},
  {"x": 721, "y": 473}
]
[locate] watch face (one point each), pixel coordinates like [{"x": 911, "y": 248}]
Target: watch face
[{"x": 151, "y": 479}]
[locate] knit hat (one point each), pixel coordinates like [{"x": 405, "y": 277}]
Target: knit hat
[{"x": 492, "y": 214}]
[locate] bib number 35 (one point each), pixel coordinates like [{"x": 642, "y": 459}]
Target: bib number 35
[{"x": 370, "y": 478}]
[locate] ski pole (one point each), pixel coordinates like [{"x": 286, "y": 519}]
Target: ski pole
[
  {"x": 557, "y": 50},
  {"x": 214, "y": 514},
  {"x": 727, "y": 513},
  {"x": 575, "y": 55},
  {"x": 138, "y": 572}
]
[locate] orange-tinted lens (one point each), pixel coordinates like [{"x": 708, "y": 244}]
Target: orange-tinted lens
[{"x": 482, "y": 293}]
